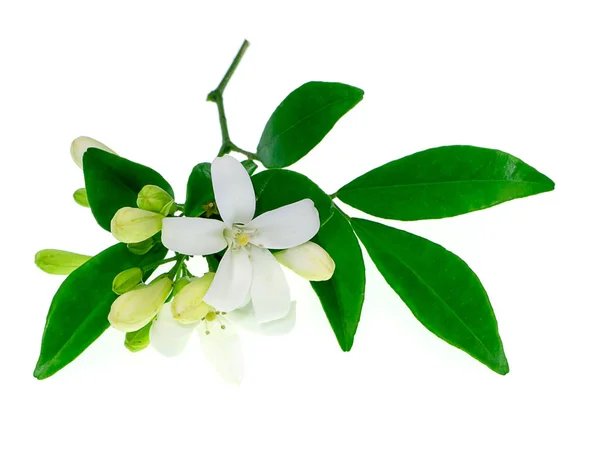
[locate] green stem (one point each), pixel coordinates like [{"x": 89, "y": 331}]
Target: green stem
[
  {"x": 175, "y": 270},
  {"x": 216, "y": 96},
  {"x": 341, "y": 212},
  {"x": 159, "y": 263}
]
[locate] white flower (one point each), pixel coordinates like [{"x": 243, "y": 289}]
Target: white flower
[
  {"x": 247, "y": 270},
  {"x": 219, "y": 340}
]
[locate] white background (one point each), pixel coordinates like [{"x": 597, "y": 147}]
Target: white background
[{"x": 518, "y": 76}]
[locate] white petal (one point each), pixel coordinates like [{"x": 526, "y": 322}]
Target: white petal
[
  {"x": 168, "y": 336},
  {"x": 193, "y": 235},
  {"x": 245, "y": 318},
  {"x": 223, "y": 349},
  {"x": 287, "y": 226},
  {"x": 234, "y": 193},
  {"x": 270, "y": 292},
  {"x": 230, "y": 287},
  {"x": 80, "y": 145}
]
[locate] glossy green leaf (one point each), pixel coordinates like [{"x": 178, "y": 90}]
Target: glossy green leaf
[
  {"x": 443, "y": 182},
  {"x": 277, "y": 187},
  {"x": 79, "y": 311},
  {"x": 199, "y": 190},
  {"x": 303, "y": 119},
  {"x": 439, "y": 288},
  {"x": 342, "y": 296},
  {"x": 112, "y": 182}
]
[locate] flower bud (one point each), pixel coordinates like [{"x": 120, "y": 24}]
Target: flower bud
[
  {"x": 80, "y": 145},
  {"x": 136, "y": 308},
  {"x": 131, "y": 225},
  {"x": 188, "y": 306},
  {"x": 127, "y": 280},
  {"x": 59, "y": 262},
  {"x": 136, "y": 341},
  {"x": 141, "y": 248},
  {"x": 155, "y": 199},
  {"x": 308, "y": 260},
  {"x": 80, "y": 197},
  {"x": 180, "y": 284}
]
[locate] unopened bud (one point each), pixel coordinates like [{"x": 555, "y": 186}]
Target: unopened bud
[
  {"x": 59, "y": 262},
  {"x": 80, "y": 197},
  {"x": 308, "y": 260},
  {"x": 136, "y": 341},
  {"x": 131, "y": 225},
  {"x": 80, "y": 145},
  {"x": 136, "y": 308},
  {"x": 188, "y": 305},
  {"x": 155, "y": 199},
  {"x": 180, "y": 284},
  {"x": 127, "y": 280}
]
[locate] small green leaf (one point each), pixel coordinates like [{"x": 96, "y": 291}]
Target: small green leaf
[
  {"x": 439, "y": 288},
  {"x": 113, "y": 182},
  {"x": 250, "y": 166},
  {"x": 138, "y": 340},
  {"x": 303, "y": 119},
  {"x": 276, "y": 188},
  {"x": 443, "y": 182},
  {"x": 79, "y": 311},
  {"x": 342, "y": 296},
  {"x": 199, "y": 190},
  {"x": 80, "y": 197}
]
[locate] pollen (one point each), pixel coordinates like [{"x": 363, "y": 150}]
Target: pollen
[{"x": 242, "y": 239}]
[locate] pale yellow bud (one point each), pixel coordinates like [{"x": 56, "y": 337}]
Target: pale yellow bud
[
  {"x": 132, "y": 225},
  {"x": 80, "y": 145},
  {"x": 308, "y": 260},
  {"x": 136, "y": 308},
  {"x": 80, "y": 197},
  {"x": 155, "y": 199},
  {"x": 188, "y": 305},
  {"x": 127, "y": 280},
  {"x": 59, "y": 262}
]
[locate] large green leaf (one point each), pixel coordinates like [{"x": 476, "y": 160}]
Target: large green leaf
[
  {"x": 113, "y": 182},
  {"x": 79, "y": 311},
  {"x": 439, "y": 288},
  {"x": 342, "y": 296},
  {"x": 303, "y": 119},
  {"x": 277, "y": 187},
  {"x": 199, "y": 190},
  {"x": 443, "y": 182}
]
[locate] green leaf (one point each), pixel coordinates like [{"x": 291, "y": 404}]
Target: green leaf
[
  {"x": 113, "y": 182},
  {"x": 439, "y": 288},
  {"x": 443, "y": 182},
  {"x": 250, "y": 166},
  {"x": 342, "y": 296},
  {"x": 276, "y": 188},
  {"x": 303, "y": 119},
  {"x": 79, "y": 311},
  {"x": 199, "y": 190}
]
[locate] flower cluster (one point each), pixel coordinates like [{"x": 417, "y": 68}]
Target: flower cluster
[{"x": 247, "y": 288}]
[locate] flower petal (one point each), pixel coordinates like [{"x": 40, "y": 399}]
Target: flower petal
[
  {"x": 234, "y": 193},
  {"x": 168, "y": 336},
  {"x": 223, "y": 349},
  {"x": 193, "y": 235},
  {"x": 246, "y": 319},
  {"x": 269, "y": 291},
  {"x": 230, "y": 287},
  {"x": 286, "y": 227}
]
